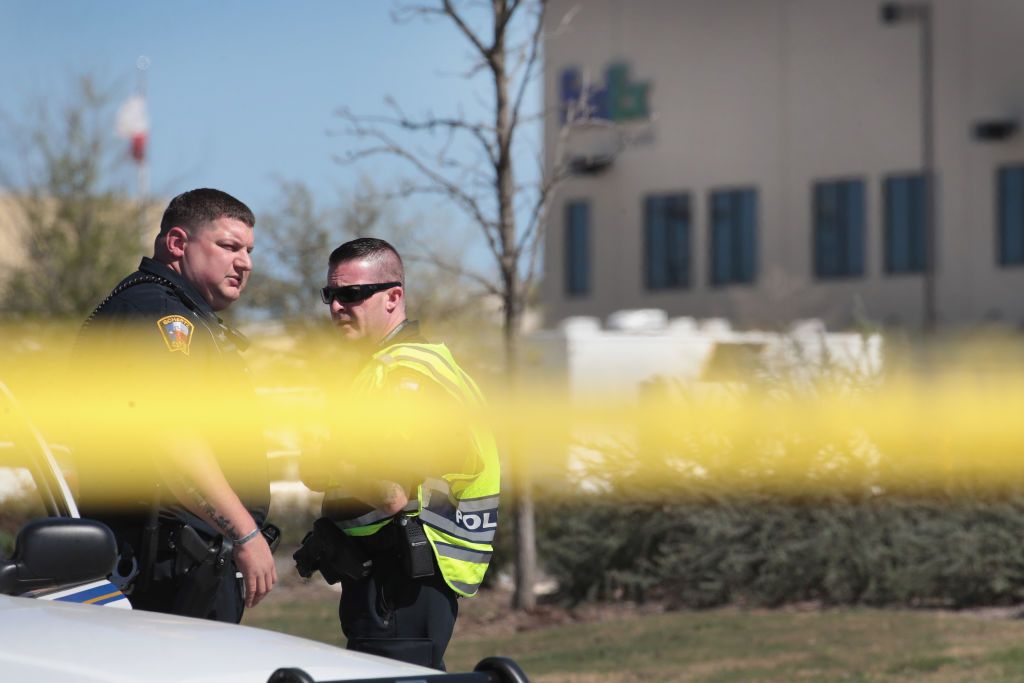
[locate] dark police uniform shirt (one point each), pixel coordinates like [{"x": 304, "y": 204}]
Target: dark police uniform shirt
[{"x": 184, "y": 345}]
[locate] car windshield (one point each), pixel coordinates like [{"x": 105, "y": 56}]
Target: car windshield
[
  {"x": 29, "y": 484},
  {"x": 21, "y": 497}
]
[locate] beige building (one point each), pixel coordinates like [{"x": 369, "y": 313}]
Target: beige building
[
  {"x": 761, "y": 160},
  {"x": 16, "y": 227},
  {"x": 12, "y": 247}
]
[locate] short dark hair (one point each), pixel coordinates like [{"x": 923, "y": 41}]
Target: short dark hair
[
  {"x": 382, "y": 254},
  {"x": 195, "y": 208}
]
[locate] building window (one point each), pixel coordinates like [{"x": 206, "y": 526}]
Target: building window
[
  {"x": 838, "y": 229},
  {"x": 667, "y": 235},
  {"x": 905, "y": 247},
  {"x": 1011, "y": 215},
  {"x": 577, "y": 248},
  {"x": 733, "y": 236}
]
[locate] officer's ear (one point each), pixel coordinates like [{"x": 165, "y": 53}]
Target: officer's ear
[
  {"x": 395, "y": 295},
  {"x": 175, "y": 241}
]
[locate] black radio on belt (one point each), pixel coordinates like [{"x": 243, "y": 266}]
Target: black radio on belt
[{"x": 417, "y": 556}]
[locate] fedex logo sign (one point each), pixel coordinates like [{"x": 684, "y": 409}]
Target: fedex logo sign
[{"x": 618, "y": 99}]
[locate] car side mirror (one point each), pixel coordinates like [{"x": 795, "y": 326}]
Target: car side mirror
[{"x": 56, "y": 551}]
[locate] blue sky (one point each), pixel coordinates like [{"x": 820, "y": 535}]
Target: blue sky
[{"x": 240, "y": 93}]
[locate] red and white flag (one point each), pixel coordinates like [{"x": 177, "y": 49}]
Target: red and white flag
[{"x": 133, "y": 125}]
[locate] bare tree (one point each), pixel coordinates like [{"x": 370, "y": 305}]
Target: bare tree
[{"x": 511, "y": 216}]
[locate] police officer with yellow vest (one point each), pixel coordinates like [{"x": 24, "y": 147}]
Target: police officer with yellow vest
[{"x": 405, "y": 540}]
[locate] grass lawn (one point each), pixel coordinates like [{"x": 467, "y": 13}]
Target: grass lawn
[
  {"x": 718, "y": 646},
  {"x": 730, "y": 645}
]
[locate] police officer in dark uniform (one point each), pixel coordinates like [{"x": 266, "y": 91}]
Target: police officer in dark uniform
[{"x": 191, "y": 526}]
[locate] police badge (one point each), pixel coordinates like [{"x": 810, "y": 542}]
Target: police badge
[{"x": 176, "y": 331}]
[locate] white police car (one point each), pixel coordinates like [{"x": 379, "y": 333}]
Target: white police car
[
  {"x": 48, "y": 552},
  {"x": 44, "y": 641}
]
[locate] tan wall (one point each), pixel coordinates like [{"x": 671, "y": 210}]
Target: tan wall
[
  {"x": 779, "y": 94},
  {"x": 13, "y": 234},
  {"x": 12, "y": 251}
]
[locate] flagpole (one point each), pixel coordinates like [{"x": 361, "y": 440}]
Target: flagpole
[{"x": 142, "y": 65}]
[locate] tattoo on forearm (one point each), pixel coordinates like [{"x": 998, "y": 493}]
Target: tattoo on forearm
[{"x": 225, "y": 526}]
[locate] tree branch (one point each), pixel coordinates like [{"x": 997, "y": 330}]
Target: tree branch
[
  {"x": 486, "y": 52},
  {"x": 437, "y": 183},
  {"x": 431, "y": 124},
  {"x": 440, "y": 263},
  {"x": 501, "y": 25},
  {"x": 535, "y": 40}
]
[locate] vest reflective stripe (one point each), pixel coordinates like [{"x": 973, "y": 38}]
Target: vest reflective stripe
[
  {"x": 447, "y": 383},
  {"x": 463, "y": 571},
  {"x": 479, "y": 504},
  {"x": 455, "y": 369},
  {"x": 370, "y": 518},
  {"x": 465, "y": 554},
  {"x": 431, "y": 518},
  {"x": 366, "y": 529},
  {"x": 439, "y": 487},
  {"x": 473, "y": 519},
  {"x": 467, "y": 589},
  {"x": 459, "y": 511}
]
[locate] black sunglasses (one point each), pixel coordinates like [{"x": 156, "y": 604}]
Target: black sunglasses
[{"x": 350, "y": 294}]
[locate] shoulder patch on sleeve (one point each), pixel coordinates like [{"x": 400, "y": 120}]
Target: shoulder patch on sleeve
[{"x": 176, "y": 331}]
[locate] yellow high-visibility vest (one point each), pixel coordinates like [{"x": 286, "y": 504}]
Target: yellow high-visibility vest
[{"x": 459, "y": 510}]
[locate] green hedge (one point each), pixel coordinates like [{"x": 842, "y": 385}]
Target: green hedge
[
  {"x": 880, "y": 551},
  {"x": 738, "y": 529}
]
